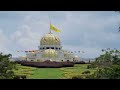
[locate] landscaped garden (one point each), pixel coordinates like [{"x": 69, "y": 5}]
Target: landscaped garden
[{"x": 52, "y": 73}]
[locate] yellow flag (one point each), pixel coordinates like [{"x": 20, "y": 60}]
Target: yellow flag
[{"x": 52, "y": 27}]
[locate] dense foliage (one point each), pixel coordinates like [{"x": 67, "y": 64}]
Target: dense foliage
[
  {"x": 6, "y": 67},
  {"x": 110, "y": 57},
  {"x": 112, "y": 72},
  {"x": 108, "y": 65}
]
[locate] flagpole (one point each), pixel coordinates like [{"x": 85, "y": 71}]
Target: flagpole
[{"x": 50, "y": 23}]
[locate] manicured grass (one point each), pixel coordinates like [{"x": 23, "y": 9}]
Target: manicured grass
[
  {"x": 52, "y": 73},
  {"x": 47, "y": 73},
  {"x": 69, "y": 72},
  {"x": 23, "y": 70}
]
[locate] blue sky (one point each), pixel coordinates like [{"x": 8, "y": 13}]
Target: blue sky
[{"x": 88, "y": 31}]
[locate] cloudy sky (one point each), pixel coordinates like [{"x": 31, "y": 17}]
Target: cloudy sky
[{"x": 88, "y": 31}]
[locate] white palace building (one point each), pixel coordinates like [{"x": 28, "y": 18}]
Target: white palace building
[{"x": 50, "y": 49}]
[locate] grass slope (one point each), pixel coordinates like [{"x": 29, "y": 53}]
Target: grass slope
[
  {"x": 47, "y": 73},
  {"x": 69, "y": 72},
  {"x": 52, "y": 73}
]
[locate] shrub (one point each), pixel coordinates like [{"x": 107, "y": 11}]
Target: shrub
[
  {"x": 23, "y": 76},
  {"x": 80, "y": 62},
  {"x": 112, "y": 72},
  {"x": 19, "y": 77},
  {"x": 90, "y": 76},
  {"x": 16, "y": 77},
  {"x": 77, "y": 77},
  {"x": 91, "y": 66},
  {"x": 86, "y": 72}
]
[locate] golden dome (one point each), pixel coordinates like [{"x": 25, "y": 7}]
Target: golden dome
[
  {"x": 50, "y": 53},
  {"x": 50, "y": 39},
  {"x": 67, "y": 54},
  {"x": 76, "y": 57}
]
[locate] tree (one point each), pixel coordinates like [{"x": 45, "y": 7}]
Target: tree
[
  {"x": 112, "y": 72},
  {"x": 6, "y": 67},
  {"x": 108, "y": 65},
  {"x": 108, "y": 58}
]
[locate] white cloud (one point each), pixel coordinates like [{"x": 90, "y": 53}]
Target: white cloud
[
  {"x": 4, "y": 42},
  {"x": 25, "y": 37},
  {"x": 90, "y": 31}
]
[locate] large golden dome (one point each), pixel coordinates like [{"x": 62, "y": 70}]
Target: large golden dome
[
  {"x": 50, "y": 39},
  {"x": 48, "y": 53}
]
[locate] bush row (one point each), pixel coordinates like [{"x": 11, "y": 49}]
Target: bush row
[
  {"x": 80, "y": 62},
  {"x": 46, "y": 64},
  {"x": 20, "y": 77}
]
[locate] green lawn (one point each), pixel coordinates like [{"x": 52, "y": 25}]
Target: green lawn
[
  {"x": 47, "y": 73},
  {"x": 69, "y": 72},
  {"x": 52, "y": 73}
]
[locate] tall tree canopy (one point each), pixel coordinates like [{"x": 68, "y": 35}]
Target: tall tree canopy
[{"x": 6, "y": 67}]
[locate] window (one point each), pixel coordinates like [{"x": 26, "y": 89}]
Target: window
[
  {"x": 43, "y": 48},
  {"x": 52, "y": 47},
  {"x": 67, "y": 60},
  {"x": 47, "y": 47},
  {"x": 56, "y": 48}
]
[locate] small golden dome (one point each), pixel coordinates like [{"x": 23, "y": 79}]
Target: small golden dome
[
  {"x": 50, "y": 53},
  {"x": 50, "y": 39},
  {"x": 76, "y": 57},
  {"x": 67, "y": 54}
]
